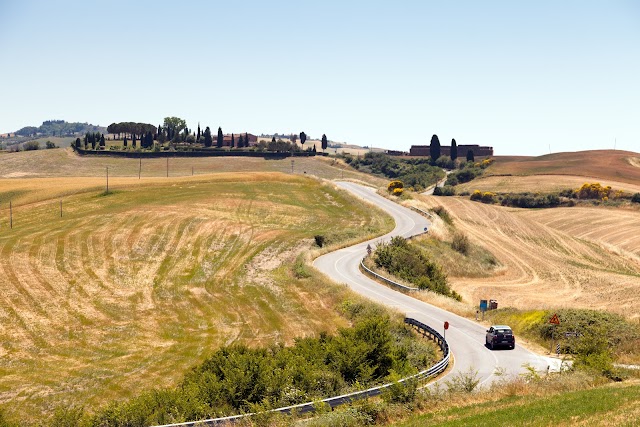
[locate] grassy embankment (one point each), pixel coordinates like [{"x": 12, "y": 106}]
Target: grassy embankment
[
  {"x": 606, "y": 405},
  {"x": 128, "y": 290}
]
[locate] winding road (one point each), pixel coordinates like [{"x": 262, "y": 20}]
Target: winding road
[{"x": 465, "y": 337}]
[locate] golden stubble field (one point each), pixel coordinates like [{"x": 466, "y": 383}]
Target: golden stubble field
[
  {"x": 128, "y": 290},
  {"x": 560, "y": 171},
  {"x": 563, "y": 257}
]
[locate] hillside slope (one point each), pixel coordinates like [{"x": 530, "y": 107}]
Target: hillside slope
[{"x": 128, "y": 290}]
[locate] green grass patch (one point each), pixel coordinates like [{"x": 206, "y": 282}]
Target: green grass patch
[{"x": 593, "y": 407}]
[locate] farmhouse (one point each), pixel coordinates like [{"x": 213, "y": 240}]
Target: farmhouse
[
  {"x": 226, "y": 139},
  {"x": 445, "y": 150}
]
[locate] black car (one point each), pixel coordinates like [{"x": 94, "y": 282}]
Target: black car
[{"x": 500, "y": 335}]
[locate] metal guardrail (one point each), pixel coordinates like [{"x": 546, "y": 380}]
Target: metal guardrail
[
  {"x": 420, "y": 211},
  {"x": 385, "y": 280},
  {"x": 349, "y": 397}
]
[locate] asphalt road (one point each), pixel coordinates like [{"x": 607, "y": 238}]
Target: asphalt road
[{"x": 466, "y": 338}]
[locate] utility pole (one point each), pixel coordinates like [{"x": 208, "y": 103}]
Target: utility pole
[
  {"x": 107, "y": 180},
  {"x": 10, "y": 215},
  {"x": 140, "y": 168},
  {"x": 167, "y": 167},
  {"x": 60, "y": 207},
  {"x": 292, "y": 165}
]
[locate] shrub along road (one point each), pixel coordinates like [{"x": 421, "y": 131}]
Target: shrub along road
[{"x": 466, "y": 338}]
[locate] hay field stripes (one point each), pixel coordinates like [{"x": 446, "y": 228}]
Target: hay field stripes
[
  {"x": 129, "y": 290},
  {"x": 609, "y": 165},
  {"x": 544, "y": 266},
  {"x": 540, "y": 183}
]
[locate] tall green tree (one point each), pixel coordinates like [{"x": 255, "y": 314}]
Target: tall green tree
[
  {"x": 246, "y": 139},
  {"x": 124, "y": 142},
  {"x": 78, "y": 142},
  {"x": 198, "y": 136},
  {"x": 220, "y": 139},
  {"x": 324, "y": 142},
  {"x": 434, "y": 149},
  {"x": 208, "y": 140},
  {"x": 148, "y": 140},
  {"x": 454, "y": 149},
  {"x": 470, "y": 157},
  {"x": 303, "y": 138},
  {"x": 233, "y": 141},
  {"x": 174, "y": 125},
  {"x": 273, "y": 139},
  {"x": 240, "y": 141}
]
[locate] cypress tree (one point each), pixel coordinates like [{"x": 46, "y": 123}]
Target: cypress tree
[
  {"x": 470, "y": 157},
  {"x": 434, "y": 149},
  {"x": 198, "y": 137},
  {"x": 246, "y": 139},
  {"x": 324, "y": 142},
  {"x": 454, "y": 149},
  {"x": 208, "y": 140},
  {"x": 240, "y": 141},
  {"x": 124, "y": 143},
  {"x": 220, "y": 139},
  {"x": 233, "y": 141},
  {"x": 273, "y": 139},
  {"x": 303, "y": 138}
]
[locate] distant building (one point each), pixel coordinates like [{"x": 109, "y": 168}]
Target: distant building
[
  {"x": 445, "y": 150},
  {"x": 226, "y": 139}
]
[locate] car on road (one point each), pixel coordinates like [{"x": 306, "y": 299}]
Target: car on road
[{"x": 500, "y": 335}]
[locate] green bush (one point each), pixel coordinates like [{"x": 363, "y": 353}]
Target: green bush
[
  {"x": 635, "y": 198},
  {"x": 30, "y": 146},
  {"x": 415, "y": 173},
  {"x": 527, "y": 200},
  {"x": 238, "y": 378},
  {"x": 443, "y": 214},
  {"x": 408, "y": 262},
  {"x": 466, "y": 174},
  {"x": 460, "y": 243},
  {"x": 447, "y": 190}
]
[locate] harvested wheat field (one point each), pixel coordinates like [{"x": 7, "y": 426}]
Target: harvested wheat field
[
  {"x": 127, "y": 290},
  {"x": 65, "y": 163},
  {"x": 563, "y": 257},
  {"x": 611, "y": 165},
  {"x": 540, "y": 184}
]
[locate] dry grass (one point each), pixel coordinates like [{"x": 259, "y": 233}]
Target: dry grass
[
  {"x": 540, "y": 183},
  {"x": 552, "y": 258},
  {"x": 65, "y": 163},
  {"x": 611, "y": 165},
  {"x": 128, "y": 290}
]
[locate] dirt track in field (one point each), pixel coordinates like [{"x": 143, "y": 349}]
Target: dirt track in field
[{"x": 564, "y": 257}]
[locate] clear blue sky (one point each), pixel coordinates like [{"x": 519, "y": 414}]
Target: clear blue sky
[{"x": 517, "y": 76}]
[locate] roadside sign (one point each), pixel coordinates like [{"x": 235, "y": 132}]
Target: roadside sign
[
  {"x": 426, "y": 229},
  {"x": 483, "y": 305},
  {"x": 446, "y": 325},
  {"x": 555, "y": 320},
  {"x": 369, "y": 249}
]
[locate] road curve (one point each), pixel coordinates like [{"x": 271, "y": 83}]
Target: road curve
[{"x": 466, "y": 338}]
